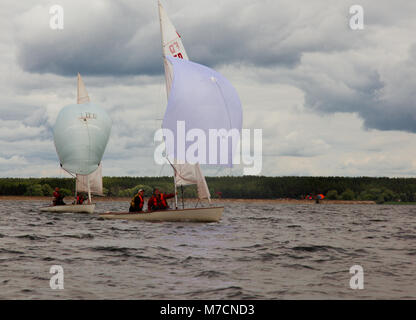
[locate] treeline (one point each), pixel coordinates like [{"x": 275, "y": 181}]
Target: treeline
[{"x": 248, "y": 187}]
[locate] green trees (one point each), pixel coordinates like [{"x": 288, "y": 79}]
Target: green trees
[
  {"x": 34, "y": 190},
  {"x": 247, "y": 187},
  {"x": 380, "y": 195},
  {"x": 332, "y": 195},
  {"x": 67, "y": 192},
  {"x": 47, "y": 190},
  {"x": 38, "y": 190},
  {"x": 347, "y": 195}
]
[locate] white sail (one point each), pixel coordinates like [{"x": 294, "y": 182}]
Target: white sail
[
  {"x": 95, "y": 182},
  {"x": 82, "y": 94},
  {"x": 189, "y": 174},
  {"x": 95, "y": 178},
  {"x": 81, "y": 134},
  {"x": 171, "y": 45},
  {"x": 204, "y": 100}
]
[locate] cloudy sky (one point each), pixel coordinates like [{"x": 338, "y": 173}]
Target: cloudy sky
[{"x": 330, "y": 100}]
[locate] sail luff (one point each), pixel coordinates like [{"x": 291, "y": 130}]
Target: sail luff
[
  {"x": 82, "y": 94},
  {"x": 161, "y": 28},
  {"x": 171, "y": 45}
]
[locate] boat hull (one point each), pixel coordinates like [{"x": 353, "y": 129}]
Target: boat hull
[
  {"x": 74, "y": 208},
  {"x": 211, "y": 214}
]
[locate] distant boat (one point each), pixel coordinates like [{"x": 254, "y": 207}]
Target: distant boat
[
  {"x": 202, "y": 98},
  {"x": 81, "y": 135}
]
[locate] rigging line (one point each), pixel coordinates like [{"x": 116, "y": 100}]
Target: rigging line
[
  {"x": 89, "y": 140},
  {"x": 161, "y": 169},
  {"x": 70, "y": 173},
  {"x": 173, "y": 167}
]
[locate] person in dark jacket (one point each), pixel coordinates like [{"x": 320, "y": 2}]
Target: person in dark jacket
[
  {"x": 136, "y": 204},
  {"x": 158, "y": 201},
  {"x": 58, "y": 198}
]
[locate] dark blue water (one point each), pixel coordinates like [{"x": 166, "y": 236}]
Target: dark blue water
[{"x": 257, "y": 251}]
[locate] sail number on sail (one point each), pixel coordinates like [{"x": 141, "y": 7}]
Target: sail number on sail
[
  {"x": 174, "y": 48},
  {"x": 87, "y": 115}
]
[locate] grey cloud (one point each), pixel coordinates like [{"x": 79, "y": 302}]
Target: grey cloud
[
  {"x": 97, "y": 39},
  {"x": 302, "y": 44},
  {"x": 123, "y": 38}
]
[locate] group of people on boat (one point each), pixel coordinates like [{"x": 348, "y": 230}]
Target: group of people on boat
[
  {"x": 58, "y": 198},
  {"x": 156, "y": 202}
]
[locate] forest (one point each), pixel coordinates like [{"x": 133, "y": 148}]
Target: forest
[{"x": 235, "y": 187}]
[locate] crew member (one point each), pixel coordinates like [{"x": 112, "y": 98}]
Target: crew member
[
  {"x": 80, "y": 198},
  {"x": 136, "y": 204},
  {"x": 58, "y": 198},
  {"x": 158, "y": 201}
]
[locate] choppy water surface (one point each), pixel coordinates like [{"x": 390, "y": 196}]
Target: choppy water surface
[{"x": 257, "y": 251}]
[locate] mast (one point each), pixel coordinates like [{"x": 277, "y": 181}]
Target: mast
[
  {"x": 82, "y": 97},
  {"x": 161, "y": 28},
  {"x": 176, "y": 194},
  {"x": 89, "y": 190},
  {"x": 183, "y": 205},
  {"x": 163, "y": 51},
  {"x": 171, "y": 34}
]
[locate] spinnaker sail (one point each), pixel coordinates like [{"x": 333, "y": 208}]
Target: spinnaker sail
[
  {"x": 81, "y": 134},
  {"x": 202, "y": 99}
]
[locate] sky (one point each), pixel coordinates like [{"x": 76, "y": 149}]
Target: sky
[{"x": 330, "y": 100}]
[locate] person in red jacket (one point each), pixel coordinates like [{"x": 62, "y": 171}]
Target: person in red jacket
[
  {"x": 58, "y": 198},
  {"x": 80, "y": 198},
  {"x": 158, "y": 201}
]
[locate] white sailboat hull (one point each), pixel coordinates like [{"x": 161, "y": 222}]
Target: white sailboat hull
[
  {"x": 75, "y": 208},
  {"x": 211, "y": 214}
]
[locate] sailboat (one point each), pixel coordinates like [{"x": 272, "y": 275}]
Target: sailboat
[
  {"x": 81, "y": 135},
  {"x": 201, "y": 98}
]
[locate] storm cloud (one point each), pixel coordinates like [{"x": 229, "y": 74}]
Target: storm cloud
[{"x": 330, "y": 100}]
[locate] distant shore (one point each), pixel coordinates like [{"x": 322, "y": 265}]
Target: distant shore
[{"x": 127, "y": 199}]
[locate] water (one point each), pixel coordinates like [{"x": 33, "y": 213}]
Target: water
[{"x": 257, "y": 251}]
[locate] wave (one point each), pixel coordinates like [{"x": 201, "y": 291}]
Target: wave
[
  {"x": 316, "y": 248},
  {"x": 79, "y": 236},
  {"x": 211, "y": 274},
  {"x": 31, "y": 237}
]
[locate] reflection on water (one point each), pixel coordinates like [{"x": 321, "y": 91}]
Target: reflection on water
[{"x": 257, "y": 251}]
